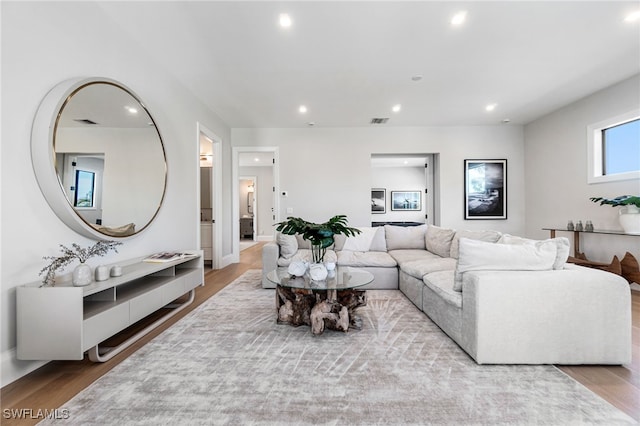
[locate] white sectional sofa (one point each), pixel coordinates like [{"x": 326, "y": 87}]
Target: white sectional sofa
[{"x": 503, "y": 299}]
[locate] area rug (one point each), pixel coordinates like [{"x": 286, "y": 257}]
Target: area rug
[{"x": 229, "y": 363}]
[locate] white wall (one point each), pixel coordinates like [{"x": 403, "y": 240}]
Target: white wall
[
  {"x": 556, "y": 171},
  {"x": 327, "y": 171},
  {"x": 43, "y": 44}
]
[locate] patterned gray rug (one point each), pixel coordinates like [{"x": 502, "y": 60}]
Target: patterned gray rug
[{"x": 228, "y": 362}]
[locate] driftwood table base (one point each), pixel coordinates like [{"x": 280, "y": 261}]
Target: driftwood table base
[{"x": 320, "y": 309}]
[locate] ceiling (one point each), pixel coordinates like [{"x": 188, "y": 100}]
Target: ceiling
[{"x": 351, "y": 61}]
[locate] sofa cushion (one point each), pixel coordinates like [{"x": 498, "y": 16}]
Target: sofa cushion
[
  {"x": 420, "y": 268},
  {"x": 365, "y": 258},
  {"x": 288, "y": 245},
  {"x": 482, "y": 256},
  {"x": 442, "y": 283},
  {"x": 488, "y": 236},
  {"x": 562, "y": 244},
  {"x": 305, "y": 256},
  {"x": 404, "y": 256},
  {"x": 405, "y": 237},
  {"x": 369, "y": 239},
  {"x": 438, "y": 240}
]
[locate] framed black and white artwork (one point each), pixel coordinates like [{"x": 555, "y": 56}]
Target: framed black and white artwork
[
  {"x": 378, "y": 200},
  {"x": 406, "y": 200},
  {"x": 485, "y": 189}
]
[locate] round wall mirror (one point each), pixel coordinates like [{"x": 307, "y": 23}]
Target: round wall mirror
[{"x": 99, "y": 158}]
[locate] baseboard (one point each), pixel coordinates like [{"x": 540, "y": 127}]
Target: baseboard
[
  {"x": 12, "y": 368},
  {"x": 226, "y": 261}
]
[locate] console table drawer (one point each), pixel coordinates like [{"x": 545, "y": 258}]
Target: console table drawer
[
  {"x": 145, "y": 304},
  {"x": 173, "y": 290},
  {"x": 105, "y": 324},
  {"x": 193, "y": 279}
]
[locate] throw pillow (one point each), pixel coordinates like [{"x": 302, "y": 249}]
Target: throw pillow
[
  {"x": 562, "y": 244},
  {"x": 405, "y": 237},
  {"x": 438, "y": 240},
  {"x": 361, "y": 241},
  {"x": 379, "y": 243},
  {"x": 487, "y": 236},
  {"x": 288, "y": 245},
  {"x": 477, "y": 255}
]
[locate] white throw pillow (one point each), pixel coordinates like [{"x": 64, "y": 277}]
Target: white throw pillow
[
  {"x": 488, "y": 236},
  {"x": 562, "y": 244},
  {"x": 288, "y": 245},
  {"x": 477, "y": 255},
  {"x": 405, "y": 237},
  {"x": 361, "y": 241},
  {"x": 438, "y": 240}
]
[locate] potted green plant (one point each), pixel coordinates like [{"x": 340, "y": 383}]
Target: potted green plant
[
  {"x": 320, "y": 235},
  {"x": 629, "y": 214},
  {"x": 82, "y": 273}
]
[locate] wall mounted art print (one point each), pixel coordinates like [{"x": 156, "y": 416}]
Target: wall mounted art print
[
  {"x": 406, "y": 200},
  {"x": 485, "y": 190},
  {"x": 378, "y": 200}
]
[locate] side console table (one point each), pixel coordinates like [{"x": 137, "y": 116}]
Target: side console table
[
  {"x": 628, "y": 267},
  {"x": 63, "y": 322}
]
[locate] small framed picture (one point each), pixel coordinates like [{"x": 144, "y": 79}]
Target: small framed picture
[
  {"x": 485, "y": 189},
  {"x": 406, "y": 200},
  {"x": 378, "y": 200}
]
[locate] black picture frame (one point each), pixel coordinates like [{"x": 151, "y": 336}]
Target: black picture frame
[
  {"x": 406, "y": 200},
  {"x": 378, "y": 200},
  {"x": 485, "y": 189}
]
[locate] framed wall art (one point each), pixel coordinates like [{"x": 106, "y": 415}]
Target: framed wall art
[
  {"x": 378, "y": 200},
  {"x": 406, "y": 200},
  {"x": 485, "y": 189}
]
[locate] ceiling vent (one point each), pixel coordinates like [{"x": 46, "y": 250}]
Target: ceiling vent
[
  {"x": 84, "y": 121},
  {"x": 379, "y": 120}
]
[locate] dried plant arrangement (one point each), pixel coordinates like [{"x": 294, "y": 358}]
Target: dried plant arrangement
[{"x": 70, "y": 254}]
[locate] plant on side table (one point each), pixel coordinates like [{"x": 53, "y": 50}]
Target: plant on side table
[
  {"x": 82, "y": 273},
  {"x": 629, "y": 213}
]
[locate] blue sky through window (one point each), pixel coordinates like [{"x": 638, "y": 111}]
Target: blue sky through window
[{"x": 622, "y": 148}]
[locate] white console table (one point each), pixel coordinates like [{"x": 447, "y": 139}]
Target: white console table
[{"x": 63, "y": 322}]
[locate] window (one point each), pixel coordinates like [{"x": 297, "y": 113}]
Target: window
[
  {"x": 621, "y": 148},
  {"x": 85, "y": 184},
  {"x": 614, "y": 149}
]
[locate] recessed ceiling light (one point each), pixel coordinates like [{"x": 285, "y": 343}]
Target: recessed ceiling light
[
  {"x": 633, "y": 16},
  {"x": 459, "y": 18},
  {"x": 284, "y": 20},
  {"x": 256, "y": 159},
  {"x": 491, "y": 107},
  {"x": 131, "y": 109},
  {"x": 302, "y": 109},
  {"x": 396, "y": 108}
]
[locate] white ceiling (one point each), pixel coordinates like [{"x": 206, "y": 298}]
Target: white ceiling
[{"x": 351, "y": 61}]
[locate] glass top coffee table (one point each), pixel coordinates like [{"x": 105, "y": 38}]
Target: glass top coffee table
[{"x": 329, "y": 303}]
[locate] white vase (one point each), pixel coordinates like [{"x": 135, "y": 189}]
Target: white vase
[
  {"x": 317, "y": 272},
  {"x": 81, "y": 275},
  {"x": 630, "y": 219}
]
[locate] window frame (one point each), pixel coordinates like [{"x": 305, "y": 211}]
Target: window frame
[{"x": 595, "y": 148}]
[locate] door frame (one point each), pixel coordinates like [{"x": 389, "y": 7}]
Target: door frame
[
  {"x": 235, "y": 157},
  {"x": 216, "y": 188}
]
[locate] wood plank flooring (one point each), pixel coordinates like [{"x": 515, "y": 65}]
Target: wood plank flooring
[{"x": 52, "y": 385}]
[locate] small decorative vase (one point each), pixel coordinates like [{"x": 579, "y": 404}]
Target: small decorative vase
[
  {"x": 297, "y": 268},
  {"x": 579, "y": 226},
  {"x": 102, "y": 273},
  {"x": 630, "y": 219},
  {"x": 81, "y": 275},
  {"x": 318, "y": 272},
  {"x": 570, "y": 226}
]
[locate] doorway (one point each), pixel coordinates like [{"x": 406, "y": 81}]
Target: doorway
[
  {"x": 255, "y": 181},
  {"x": 210, "y": 195}
]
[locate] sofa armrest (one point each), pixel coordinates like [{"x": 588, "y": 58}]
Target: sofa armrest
[
  {"x": 575, "y": 315},
  {"x": 270, "y": 255}
]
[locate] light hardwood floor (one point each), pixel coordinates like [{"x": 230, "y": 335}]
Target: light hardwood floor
[{"x": 55, "y": 383}]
